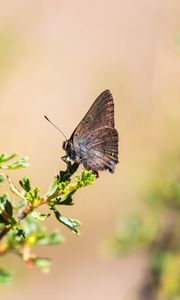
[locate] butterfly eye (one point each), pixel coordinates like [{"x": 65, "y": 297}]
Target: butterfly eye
[{"x": 68, "y": 147}]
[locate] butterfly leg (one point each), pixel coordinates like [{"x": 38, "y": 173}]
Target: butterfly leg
[
  {"x": 66, "y": 160},
  {"x": 95, "y": 172},
  {"x": 71, "y": 167}
]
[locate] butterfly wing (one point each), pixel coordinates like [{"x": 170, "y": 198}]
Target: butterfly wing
[
  {"x": 101, "y": 149},
  {"x": 100, "y": 114},
  {"x": 95, "y": 139}
]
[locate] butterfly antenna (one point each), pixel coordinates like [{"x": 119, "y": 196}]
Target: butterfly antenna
[{"x": 55, "y": 127}]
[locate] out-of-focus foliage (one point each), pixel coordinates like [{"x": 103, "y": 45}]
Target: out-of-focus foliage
[
  {"x": 5, "y": 277},
  {"x": 21, "y": 224},
  {"x": 156, "y": 229}
]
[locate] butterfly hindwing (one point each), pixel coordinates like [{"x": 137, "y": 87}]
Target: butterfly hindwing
[{"x": 102, "y": 149}]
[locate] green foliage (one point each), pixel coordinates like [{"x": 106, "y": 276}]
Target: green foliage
[
  {"x": 39, "y": 216},
  {"x": 170, "y": 287},
  {"x": 1, "y": 178},
  {"x": 25, "y": 183},
  {"x": 17, "y": 164},
  {"x": 134, "y": 232},
  {"x": 21, "y": 224},
  {"x": 6, "y": 210},
  {"x": 42, "y": 264},
  {"x": 5, "y": 277},
  {"x": 156, "y": 229},
  {"x": 86, "y": 178},
  {"x": 70, "y": 223}
]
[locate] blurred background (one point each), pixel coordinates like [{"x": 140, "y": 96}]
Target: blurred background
[{"x": 56, "y": 57}]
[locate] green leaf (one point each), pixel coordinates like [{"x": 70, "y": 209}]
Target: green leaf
[
  {"x": 33, "y": 195},
  {"x": 3, "y": 220},
  {"x": 35, "y": 192},
  {"x": 51, "y": 239},
  {"x": 71, "y": 169},
  {"x": 4, "y": 157},
  {"x": 68, "y": 222},
  {"x": 39, "y": 216},
  {"x": 19, "y": 234},
  {"x": 6, "y": 210},
  {"x": 64, "y": 199},
  {"x": 3, "y": 200},
  {"x": 67, "y": 200},
  {"x": 9, "y": 208},
  {"x": 86, "y": 178},
  {"x": 53, "y": 187},
  {"x": 5, "y": 277},
  {"x": 43, "y": 264},
  {"x": 63, "y": 185},
  {"x": 2, "y": 178},
  {"x": 21, "y": 163},
  {"x": 25, "y": 184}
]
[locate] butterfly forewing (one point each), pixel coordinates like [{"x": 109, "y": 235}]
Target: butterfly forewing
[
  {"x": 95, "y": 139},
  {"x": 100, "y": 114}
]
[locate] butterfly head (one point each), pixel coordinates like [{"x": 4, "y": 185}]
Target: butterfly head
[{"x": 69, "y": 148}]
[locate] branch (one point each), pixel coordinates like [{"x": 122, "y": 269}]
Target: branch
[{"x": 21, "y": 237}]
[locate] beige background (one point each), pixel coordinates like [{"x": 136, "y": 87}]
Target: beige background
[{"x": 55, "y": 58}]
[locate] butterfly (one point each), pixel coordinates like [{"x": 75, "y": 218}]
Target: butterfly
[{"x": 94, "y": 142}]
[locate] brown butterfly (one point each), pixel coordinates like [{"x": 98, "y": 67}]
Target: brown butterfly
[{"x": 94, "y": 142}]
